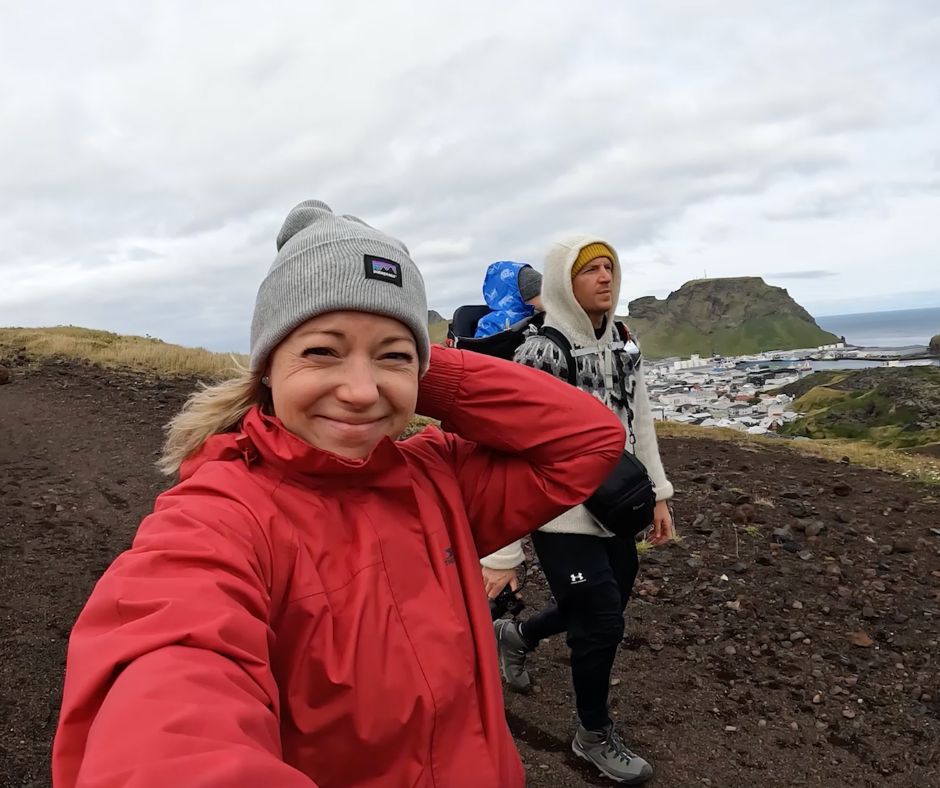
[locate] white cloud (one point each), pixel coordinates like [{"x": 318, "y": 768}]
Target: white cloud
[{"x": 151, "y": 150}]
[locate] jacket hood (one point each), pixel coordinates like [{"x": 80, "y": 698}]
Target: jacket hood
[
  {"x": 501, "y": 292},
  {"x": 501, "y": 287},
  {"x": 561, "y": 308}
]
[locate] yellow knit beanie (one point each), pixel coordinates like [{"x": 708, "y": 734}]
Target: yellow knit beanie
[{"x": 588, "y": 253}]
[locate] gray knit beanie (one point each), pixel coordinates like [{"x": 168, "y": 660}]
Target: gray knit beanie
[
  {"x": 530, "y": 283},
  {"x": 328, "y": 263}
]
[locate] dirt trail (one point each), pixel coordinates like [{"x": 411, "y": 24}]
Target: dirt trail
[{"x": 739, "y": 667}]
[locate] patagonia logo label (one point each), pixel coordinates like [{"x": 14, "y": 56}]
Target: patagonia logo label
[{"x": 382, "y": 269}]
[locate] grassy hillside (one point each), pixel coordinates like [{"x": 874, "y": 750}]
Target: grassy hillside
[
  {"x": 143, "y": 353},
  {"x": 438, "y": 332},
  {"x": 725, "y": 316},
  {"x": 799, "y": 387},
  {"x": 890, "y": 407},
  {"x": 116, "y": 350},
  {"x": 923, "y": 467},
  {"x": 662, "y": 339}
]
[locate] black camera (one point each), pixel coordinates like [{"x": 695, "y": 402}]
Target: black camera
[{"x": 506, "y": 602}]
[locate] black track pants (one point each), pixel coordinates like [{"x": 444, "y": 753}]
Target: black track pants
[{"x": 591, "y": 578}]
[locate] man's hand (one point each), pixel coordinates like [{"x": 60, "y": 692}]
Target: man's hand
[
  {"x": 662, "y": 524},
  {"x": 495, "y": 580}
]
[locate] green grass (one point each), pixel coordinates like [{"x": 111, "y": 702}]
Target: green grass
[
  {"x": 799, "y": 387},
  {"x": 891, "y": 408},
  {"x": 819, "y": 397},
  {"x": 781, "y": 332}
]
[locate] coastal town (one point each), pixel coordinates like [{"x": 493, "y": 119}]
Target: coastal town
[
  {"x": 722, "y": 392},
  {"x": 743, "y": 392}
]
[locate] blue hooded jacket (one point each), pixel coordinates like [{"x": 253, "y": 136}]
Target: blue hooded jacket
[{"x": 501, "y": 291}]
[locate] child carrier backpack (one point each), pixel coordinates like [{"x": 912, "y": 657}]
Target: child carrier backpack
[{"x": 503, "y": 344}]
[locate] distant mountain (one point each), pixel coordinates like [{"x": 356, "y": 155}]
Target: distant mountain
[
  {"x": 728, "y": 317},
  {"x": 435, "y": 317}
]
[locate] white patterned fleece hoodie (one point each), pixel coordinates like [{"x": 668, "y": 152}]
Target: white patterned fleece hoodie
[{"x": 597, "y": 373}]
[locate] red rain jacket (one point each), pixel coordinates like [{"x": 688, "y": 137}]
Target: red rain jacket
[{"x": 286, "y": 617}]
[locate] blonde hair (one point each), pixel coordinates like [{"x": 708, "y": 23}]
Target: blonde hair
[{"x": 211, "y": 410}]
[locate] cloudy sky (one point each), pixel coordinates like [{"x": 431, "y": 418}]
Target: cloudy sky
[{"x": 150, "y": 150}]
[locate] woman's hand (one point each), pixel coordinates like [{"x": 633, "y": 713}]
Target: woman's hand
[
  {"x": 663, "y": 529},
  {"x": 495, "y": 580}
]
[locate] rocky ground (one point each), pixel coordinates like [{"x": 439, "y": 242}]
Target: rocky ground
[{"x": 790, "y": 638}]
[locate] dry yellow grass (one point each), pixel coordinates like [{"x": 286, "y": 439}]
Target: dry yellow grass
[
  {"x": 114, "y": 350},
  {"x": 145, "y": 354},
  {"x": 438, "y": 332},
  {"x": 911, "y": 466}
]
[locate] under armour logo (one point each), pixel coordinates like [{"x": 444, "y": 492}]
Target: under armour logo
[{"x": 578, "y": 578}]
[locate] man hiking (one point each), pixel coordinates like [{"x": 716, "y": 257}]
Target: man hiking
[{"x": 589, "y": 570}]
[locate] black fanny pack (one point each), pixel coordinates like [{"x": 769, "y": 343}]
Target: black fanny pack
[{"x": 624, "y": 503}]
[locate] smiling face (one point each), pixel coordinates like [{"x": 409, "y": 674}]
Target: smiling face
[
  {"x": 593, "y": 288},
  {"x": 343, "y": 381}
]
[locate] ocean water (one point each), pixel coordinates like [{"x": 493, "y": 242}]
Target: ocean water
[
  {"x": 899, "y": 328},
  {"x": 848, "y": 363}
]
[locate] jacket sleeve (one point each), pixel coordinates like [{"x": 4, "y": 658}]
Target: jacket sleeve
[
  {"x": 647, "y": 447},
  {"x": 168, "y": 678},
  {"x": 539, "y": 353},
  {"x": 508, "y": 557},
  {"x": 530, "y": 447}
]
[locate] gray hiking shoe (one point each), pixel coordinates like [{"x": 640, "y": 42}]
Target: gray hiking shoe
[
  {"x": 606, "y": 750},
  {"x": 512, "y": 650}
]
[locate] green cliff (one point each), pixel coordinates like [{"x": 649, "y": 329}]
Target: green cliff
[
  {"x": 893, "y": 407},
  {"x": 727, "y": 317}
]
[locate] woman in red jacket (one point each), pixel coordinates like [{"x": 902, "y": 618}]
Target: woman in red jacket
[{"x": 305, "y": 608}]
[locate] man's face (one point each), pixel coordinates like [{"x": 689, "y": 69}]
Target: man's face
[{"x": 592, "y": 286}]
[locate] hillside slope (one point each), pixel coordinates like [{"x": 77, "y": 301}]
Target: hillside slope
[
  {"x": 728, "y": 317},
  {"x": 892, "y": 407}
]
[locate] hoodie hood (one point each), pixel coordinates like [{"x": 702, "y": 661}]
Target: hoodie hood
[
  {"x": 562, "y": 309},
  {"x": 501, "y": 291}
]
